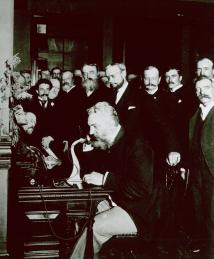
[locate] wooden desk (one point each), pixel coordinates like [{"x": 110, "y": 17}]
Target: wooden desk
[{"x": 50, "y": 217}]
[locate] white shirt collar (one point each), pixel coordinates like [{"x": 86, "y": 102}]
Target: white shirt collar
[
  {"x": 70, "y": 89},
  {"x": 205, "y": 109},
  {"x": 120, "y": 91},
  {"x": 175, "y": 88}
]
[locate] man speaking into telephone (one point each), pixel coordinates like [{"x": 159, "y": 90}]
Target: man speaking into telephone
[{"x": 128, "y": 167}]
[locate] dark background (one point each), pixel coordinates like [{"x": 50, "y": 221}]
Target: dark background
[{"x": 136, "y": 32}]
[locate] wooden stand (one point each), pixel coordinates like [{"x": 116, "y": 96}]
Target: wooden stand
[{"x": 52, "y": 217}]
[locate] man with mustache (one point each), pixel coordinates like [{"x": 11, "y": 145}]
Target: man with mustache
[
  {"x": 67, "y": 81},
  {"x": 201, "y": 139},
  {"x": 42, "y": 107},
  {"x": 48, "y": 131},
  {"x": 94, "y": 88},
  {"x": 128, "y": 171},
  {"x": 181, "y": 104},
  {"x": 156, "y": 125},
  {"x": 158, "y": 130}
]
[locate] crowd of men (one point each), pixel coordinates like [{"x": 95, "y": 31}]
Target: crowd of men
[{"x": 137, "y": 127}]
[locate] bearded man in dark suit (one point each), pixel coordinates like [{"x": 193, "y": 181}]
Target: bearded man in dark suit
[
  {"x": 128, "y": 168},
  {"x": 94, "y": 88}
]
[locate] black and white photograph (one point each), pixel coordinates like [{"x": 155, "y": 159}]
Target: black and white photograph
[{"x": 106, "y": 129}]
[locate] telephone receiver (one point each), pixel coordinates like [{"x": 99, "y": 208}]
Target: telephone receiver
[{"x": 75, "y": 178}]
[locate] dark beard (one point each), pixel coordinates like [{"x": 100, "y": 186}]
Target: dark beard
[
  {"x": 98, "y": 143},
  {"x": 90, "y": 84}
]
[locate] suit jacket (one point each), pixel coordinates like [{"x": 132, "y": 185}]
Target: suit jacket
[
  {"x": 101, "y": 94},
  {"x": 69, "y": 112},
  {"x": 156, "y": 126},
  {"x": 181, "y": 105},
  {"x": 128, "y": 108},
  {"x": 130, "y": 165},
  {"x": 207, "y": 137}
]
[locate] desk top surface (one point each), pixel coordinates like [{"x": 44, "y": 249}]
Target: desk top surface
[{"x": 36, "y": 194}]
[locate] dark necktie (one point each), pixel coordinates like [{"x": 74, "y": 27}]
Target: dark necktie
[{"x": 114, "y": 90}]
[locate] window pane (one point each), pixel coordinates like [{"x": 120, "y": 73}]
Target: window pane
[{"x": 55, "y": 45}]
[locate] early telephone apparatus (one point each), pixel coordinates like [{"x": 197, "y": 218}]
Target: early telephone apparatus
[{"x": 75, "y": 174}]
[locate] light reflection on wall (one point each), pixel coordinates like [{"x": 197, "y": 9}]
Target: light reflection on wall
[
  {"x": 4, "y": 110},
  {"x": 5, "y": 94}
]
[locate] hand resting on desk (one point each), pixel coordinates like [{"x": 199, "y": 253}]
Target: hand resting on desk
[{"x": 94, "y": 178}]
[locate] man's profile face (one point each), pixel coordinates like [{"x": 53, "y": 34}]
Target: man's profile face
[
  {"x": 205, "y": 91},
  {"x": 43, "y": 91},
  {"x": 98, "y": 131},
  {"x": 151, "y": 79},
  {"x": 115, "y": 76},
  {"x": 205, "y": 68},
  {"x": 173, "y": 79}
]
